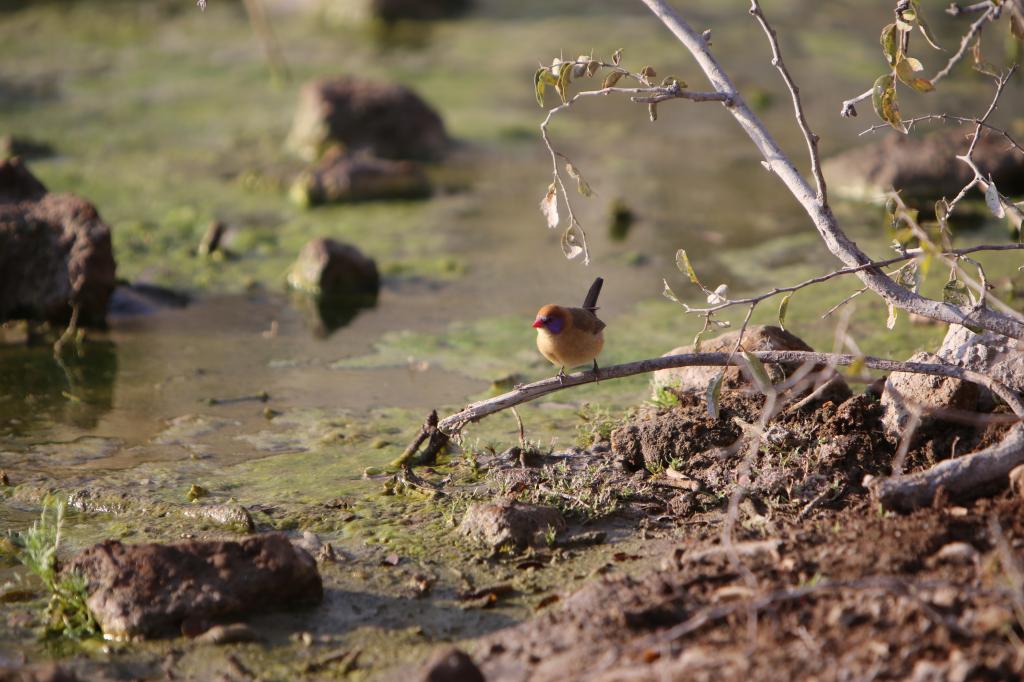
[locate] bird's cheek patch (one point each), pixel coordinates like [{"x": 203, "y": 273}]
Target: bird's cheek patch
[{"x": 555, "y": 325}]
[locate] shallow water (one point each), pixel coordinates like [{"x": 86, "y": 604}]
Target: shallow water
[{"x": 166, "y": 118}]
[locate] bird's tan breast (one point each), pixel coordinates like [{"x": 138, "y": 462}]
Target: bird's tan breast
[{"x": 571, "y": 347}]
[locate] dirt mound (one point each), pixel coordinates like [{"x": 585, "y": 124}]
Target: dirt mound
[
  {"x": 895, "y": 597},
  {"x": 803, "y": 452}
]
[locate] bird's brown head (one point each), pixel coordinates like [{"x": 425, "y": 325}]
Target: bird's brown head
[{"x": 553, "y": 318}]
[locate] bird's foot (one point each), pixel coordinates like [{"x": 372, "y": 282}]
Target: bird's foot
[
  {"x": 518, "y": 386},
  {"x": 561, "y": 375},
  {"x": 597, "y": 372}
]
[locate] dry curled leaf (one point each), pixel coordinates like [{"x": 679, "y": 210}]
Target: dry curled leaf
[
  {"x": 611, "y": 79},
  {"x": 581, "y": 185},
  {"x": 549, "y": 206},
  {"x": 574, "y": 243},
  {"x": 993, "y": 201}
]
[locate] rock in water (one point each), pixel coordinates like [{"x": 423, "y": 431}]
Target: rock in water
[
  {"x": 55, "y": 251},
  {"x": 149, "y": 590},
  {"x": 389, "y": 121},
  {"x": 924, "y": 168},
  {"x": 341, "y": 179},
  {"x": 329, "y": 268},
  {"x": 333, "y": 282}
]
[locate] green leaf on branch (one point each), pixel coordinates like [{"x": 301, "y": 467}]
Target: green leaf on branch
[
  {"x": 562, "y": 84},
  {"x": 759, "y": 373},
  {"x": 956, "y": 293},
  {"x": 907, "y": 277},
  {"x": 889, "y": 43},
  {"x": 683, "y": 263},
  {"x": 617, "y": 57},
  {"x": 538, "y": 85},
  {"x": 856, "y": 367},
  {"x": 923, "y": 25},
  {"x": 883, "y": 98},
  {"x": 714, "y": 394},
  {"x": 783, "y": 306},
  {"x": 698, "y": 340},
  {"x": 581, "y": 185}
]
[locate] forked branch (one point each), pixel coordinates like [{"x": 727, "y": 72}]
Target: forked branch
[{"x": 824, "y": 221}]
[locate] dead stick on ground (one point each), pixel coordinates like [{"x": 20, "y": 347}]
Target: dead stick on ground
[{"x": 974, "y": 472}]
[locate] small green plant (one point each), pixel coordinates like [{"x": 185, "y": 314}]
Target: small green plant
[
  {"x": 664, "y": 398},
  {"x": 597, "y": 426},
  {"x": 550, "y": 536},
  {"x": 67, "y": 614}
]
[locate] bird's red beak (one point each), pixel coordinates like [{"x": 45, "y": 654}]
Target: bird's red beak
[{"x": 538, "y": 323}]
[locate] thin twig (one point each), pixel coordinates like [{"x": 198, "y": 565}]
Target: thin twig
[
  {"x": 959, "y": 120},
  {"x": 964, "y": 42},
  {"x": 904, "y": 256},
  {"x": 798, "y": 109},
  {"x": 648, "y": 95},
  {"x": 849, "y": 109}
]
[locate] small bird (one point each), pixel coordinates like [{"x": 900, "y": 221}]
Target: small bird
[{"x": 569, "y": 337}]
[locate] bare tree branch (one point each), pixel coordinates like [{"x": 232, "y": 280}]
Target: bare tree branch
[
  {"x": 794, "y": 91},
  {"x": 906, "y": 255},
  {"x": 824, "y": 221},
  {"x": 452, "y": 424},
  {"x": 960, "y": 120},
  {"x": 989, "y": 14}
]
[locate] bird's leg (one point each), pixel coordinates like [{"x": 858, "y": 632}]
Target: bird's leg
[
  {"x": 597, "y": 371},
  {"x": 561, "y": 375}
]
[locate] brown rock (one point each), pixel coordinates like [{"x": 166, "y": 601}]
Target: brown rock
[
  {"x": 756, "y": 338},
  {"x": 48, "y": 672},
  {"x": 509, "y": 522},
  {"x": 451, "y": 665},
  {"x": 149, "y": 590},
  {"x": 1017, "y": 480},
  {"x": 389, "y": 121},
  {"x": 341, "y": 179},
  {"x": 988, "y": 353},
  {"x": 924, "y": 167},
  {"x": 329, "y": 268},
  {"x": 55, "y": 251},
  {"x": 17, "y": 184},
  {"x": 904, "y": 390}
]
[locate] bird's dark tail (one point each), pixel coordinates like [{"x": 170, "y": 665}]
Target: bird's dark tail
[{"x": 590, "y": 302}]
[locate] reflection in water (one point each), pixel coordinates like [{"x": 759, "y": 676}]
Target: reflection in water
[
  {"x": 35, "y": 388},
  {"x": 326, "y": 314}
]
